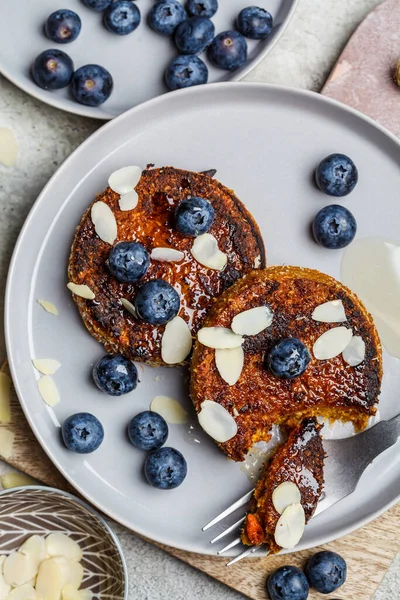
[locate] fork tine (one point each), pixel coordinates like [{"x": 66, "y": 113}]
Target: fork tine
[
  {"x": 229, "y": 546},
  {"x": 244, "y": 554},
  {"x": 227, "y": 531},
  {"x": 241, "y": 502}
]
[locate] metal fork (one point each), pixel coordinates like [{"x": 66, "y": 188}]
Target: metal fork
[{"x": 345, "y": 462}]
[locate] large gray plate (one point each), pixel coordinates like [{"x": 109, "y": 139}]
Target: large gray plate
[
  {"x": 265, "y": 142},
  {"x": 137, "y": 61}
]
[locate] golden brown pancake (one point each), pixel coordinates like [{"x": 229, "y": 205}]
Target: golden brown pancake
[
  {"x": 151, "y": 223},
  {"x": 329, "y": 388},
  {"x": 299, "y": 460}
]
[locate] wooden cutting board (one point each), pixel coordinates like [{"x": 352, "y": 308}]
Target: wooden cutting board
[{"x": 362, "y": 78}]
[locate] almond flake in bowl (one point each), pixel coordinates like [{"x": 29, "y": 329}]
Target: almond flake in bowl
[
  {"x": 332, "y": 343},
  {"x": 170, "y": 410},
  {"x": 290, "y": 527},
  {"x": 217, "y": 421},
  {"x": 167, "y": 254},
  {"x": 229, "y": 362},
  {"x": 176, "y": 342},
  {"x": 354, "y": 353},
  {"x": 252, "y": 321},
  {"x": 219, "y": 338},
  {"x": 48, "y": 390},
  {"x": 284, "y": 495},
  {"x": 104, "y": 222},
  {"x": 205, "y": 250},
  {"x": 330, "y": 312},
  {"x": 81, "y": 290}
]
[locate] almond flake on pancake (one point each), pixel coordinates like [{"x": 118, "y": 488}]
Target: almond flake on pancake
[
  {"x": 205, "y": 250},
  {"x": 123, "y": 182},
  {"x": 330, "y": 312},
  {"x": 219, "y": 338},
  {"x": 284, "y": 495},
  {"x": 217, "y": 421},
  {"x": 290, "y": 527},
  {"x": 129, "y": 307},
  {"x": 176, "y": 342},
  {"x": 46, "y": 366},
  {"x": 104, "y": 222},
  {"x": 332, "y": 343},
  {"x": 128, "y": 201},
  {"x": 81, "y": 290},
  {"x": 229, "y": 362},
  {"x": 167, "y": 254},
  {"x": 252, "y": 321},
  {"x": 354, "y": 353}
]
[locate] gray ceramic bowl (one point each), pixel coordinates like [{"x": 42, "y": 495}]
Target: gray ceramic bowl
[{"x": 25, "y": 511}]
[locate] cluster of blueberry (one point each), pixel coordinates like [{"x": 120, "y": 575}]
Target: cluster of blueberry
[
  {"x": 335, "y": 226},
  {"x": 192, "y": 29},
  {"x": 325, "y": 572}
]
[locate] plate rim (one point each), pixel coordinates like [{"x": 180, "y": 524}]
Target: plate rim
[
  {"x": 229, "y": 86},
  {"x": 102, "y": 115}
]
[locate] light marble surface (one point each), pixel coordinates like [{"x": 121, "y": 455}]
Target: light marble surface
[{"x": 303, "y": 58}]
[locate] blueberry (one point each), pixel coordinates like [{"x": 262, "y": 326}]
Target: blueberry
[
  {"x": 97, "y": 5},
  {"x": 165, "y": 468},
  {"x": 157, "y": 302},
  {"x": 326, "y": 571},
  {"x": 288, "y": 359},
  {"x": 255, "y": 23},
  {"x": 165, "y": 16},
  {"x": 202, "y": 8},
  {"x": 194, "y": 216},
  {"x": 122, "y": 17},
  {"x": 148, "y": 430},
  {"x": 194, "y": 35},
  {"x": 288, "y": 583},
  {"x": 91, "y": 85},
  {"x": 228, "y": 50},
  {"x": 52, "y": 70},
  {"x": 336, "y": 175},
  {"x": 115, "y": 375},
  {"x": 128, "y": 261},
  {"x": 63, "y": 26},
  {"x": 186, "y": 71},
  {"x": 334, "y": 227},
  {"x": 82, "y": 433}
]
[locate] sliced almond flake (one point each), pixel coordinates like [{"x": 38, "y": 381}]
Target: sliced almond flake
[
  {"x": 167, "y": 254},
  {"x": 46, "y": 366},
  {"x": 257, "y": 261},
  {"x": 284, "y": 495},
  {"x": 229, "y": 362},
  {"x": 217, "y": 421},
  {"x": 8, "y": 147},
  {"x": 252, "y": 321},
  {"x": 48, "y": 390},
  {"x": 332, "y": 343},
  {"x": 6, "y": 443},
  {"x": 290, "y": 527},
  {"x": 129, "y": 307},
  {"x": 50, "y": 580},
  {"x": 235, "y": 412},
  {"x": 5, "y": 588},
  {"x": 23, "y": 592},
  {"x": 18, "y": 569},
  {"x": 59, "y": 544},
  {"x": 48, "y": 307},
  {"x": 81, "y": 290},
  {"x": 330, "y": 312},
  {"x": 354, "y": 353},
  {"x": 104, "y": 222},
  {"x": 176, "y": 342},
  {"x": 128, "y": 201},
  {"x": 12, "y": 480},
  {"x": 124, "y": 180},
  {"x": 219, "y": 338},
  {"x": 170, "y": 410},
  {"x": 5, "y": 398},
  {"x": 205, "y": 250}
]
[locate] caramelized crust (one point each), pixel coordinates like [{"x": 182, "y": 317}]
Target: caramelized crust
[
  {"x": 329, "y": 388},
  {"x": 299, "y": 460},
  {"x": 151, "y": 223}
]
